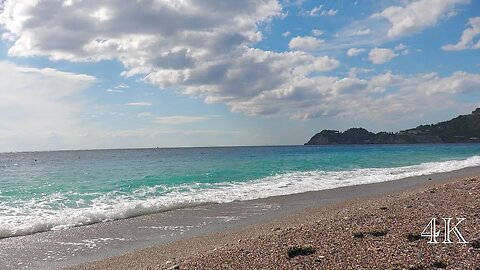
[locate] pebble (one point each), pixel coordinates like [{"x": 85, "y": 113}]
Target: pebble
[{"x": 174, "y": 267}]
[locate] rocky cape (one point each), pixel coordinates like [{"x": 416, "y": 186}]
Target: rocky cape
[{"x": 462, "y": 129}]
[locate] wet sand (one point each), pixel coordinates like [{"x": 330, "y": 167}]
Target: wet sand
[
  {"x": 259, "y": 233},
  {"x": 375, "y": 230}
]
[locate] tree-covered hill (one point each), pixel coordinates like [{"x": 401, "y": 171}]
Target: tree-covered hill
[{"x": 462, "y": 129}]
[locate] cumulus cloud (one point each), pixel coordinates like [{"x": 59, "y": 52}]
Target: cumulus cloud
[
  {"x": 307, "y": 43},
  {"x": 61, "y": 31},
  {"x": 459, "y": 83},
  {"x": 417, "y": 93},
  {"x": 354, "y": 51},
  {"x": 417, "y": 15},
  {"x": 381, "y": 55},
  {"x": 467, "y": 39},
  {"x": 363, "y": 97},
  {"x": 391, "y": 23},
  {"x": 200, "y": 49},
  {"x": 207, "y": 51}
]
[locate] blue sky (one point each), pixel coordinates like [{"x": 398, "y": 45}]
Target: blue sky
[{"x": 156, "y": 73}]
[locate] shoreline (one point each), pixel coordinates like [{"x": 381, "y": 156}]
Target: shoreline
[
  {"x": 110, "y": 240},
  {"x": 257, "y": 244},
  {"x": 120, "y": 185},
  {"x": 104, "y": 241}
]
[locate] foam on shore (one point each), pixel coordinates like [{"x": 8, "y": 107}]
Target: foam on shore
[{"x": 33, "y": 217}]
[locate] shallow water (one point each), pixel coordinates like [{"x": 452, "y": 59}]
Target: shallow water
[{"x": 42, "y": 191}]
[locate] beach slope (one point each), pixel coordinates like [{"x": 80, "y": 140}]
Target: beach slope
[{"x": 378, "y": 232}]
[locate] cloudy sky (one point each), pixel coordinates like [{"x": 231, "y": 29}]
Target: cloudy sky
[{"x": 79, "y": 74}]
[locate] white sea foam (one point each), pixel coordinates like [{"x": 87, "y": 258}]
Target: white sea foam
[{"x": 31, "y": 217}]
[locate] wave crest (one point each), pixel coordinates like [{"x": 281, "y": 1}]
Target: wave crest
[{"x": 147, "y": 200}]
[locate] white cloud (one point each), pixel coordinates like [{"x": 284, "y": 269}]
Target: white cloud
[
  {"x": 306, "y": 43},
  {"x": 114, "y": 90},
  {"x": 405, "y": 18},
  {"x": 195, "y": 48},
  {"x": 354, "y": 72},
  {"x": 381, "y": 55},
  {"x": 459, "y": 83},
  {"x": 287, "y": 3},
  {"x": 413, "y": 94},
  {"x": 317, "y": 32},
  {"x": 149, "y": 25},
  {"x": 122, "y": 86},
  {"x": 179, "y": 119},
  {"x": 285, "y": 34},
  {"x": 330, "y": 12},
  {"x": 206, "y": 52},
  {"x": 102, "y": 14},
  {"x": 363, "y": 97},
  {"x": 354, "y": 51},
  {"x": 361, "y": 32},
  {"x": 139, "y": 104},
  {"x": 400, "y": 47},
  {"x": 319, "y": 11},
  {"x": 118, "y": 88},
  {"x": 349, "y": 85},
  {"x": 452, "y": 13},
  {"x": 37, "y": 103},
  {"x": 417, "y": 15},
  {"x": 315, "y": 11},
  {"x": 467, "y": 39},
  {"x": 318, "y": 64}
]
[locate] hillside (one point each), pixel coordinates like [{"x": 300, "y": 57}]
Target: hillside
[{"x": 462, "y": 129}]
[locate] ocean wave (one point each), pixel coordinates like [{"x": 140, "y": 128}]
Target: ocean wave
[{"x": 32, "y": 217}]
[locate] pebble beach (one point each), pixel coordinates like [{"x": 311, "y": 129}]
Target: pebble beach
[{"x": 378, "y": 232}]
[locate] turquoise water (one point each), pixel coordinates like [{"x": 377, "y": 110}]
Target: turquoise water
[{"x": 42, "y": 191}]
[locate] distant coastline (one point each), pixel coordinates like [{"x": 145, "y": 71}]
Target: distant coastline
[{"x": 462, "y": 129}]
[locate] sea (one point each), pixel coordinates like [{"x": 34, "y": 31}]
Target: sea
[{"x": 56, "y": 190}]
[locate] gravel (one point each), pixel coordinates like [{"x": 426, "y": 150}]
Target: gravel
[{"x": 381, "y": 232}]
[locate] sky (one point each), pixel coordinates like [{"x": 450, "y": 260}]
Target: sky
[{"x": 81, "y": 74}]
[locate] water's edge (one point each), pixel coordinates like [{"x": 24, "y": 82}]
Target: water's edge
[
  {"x": 98, "y": 241},
  {"x": 222, "y": 192}
]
